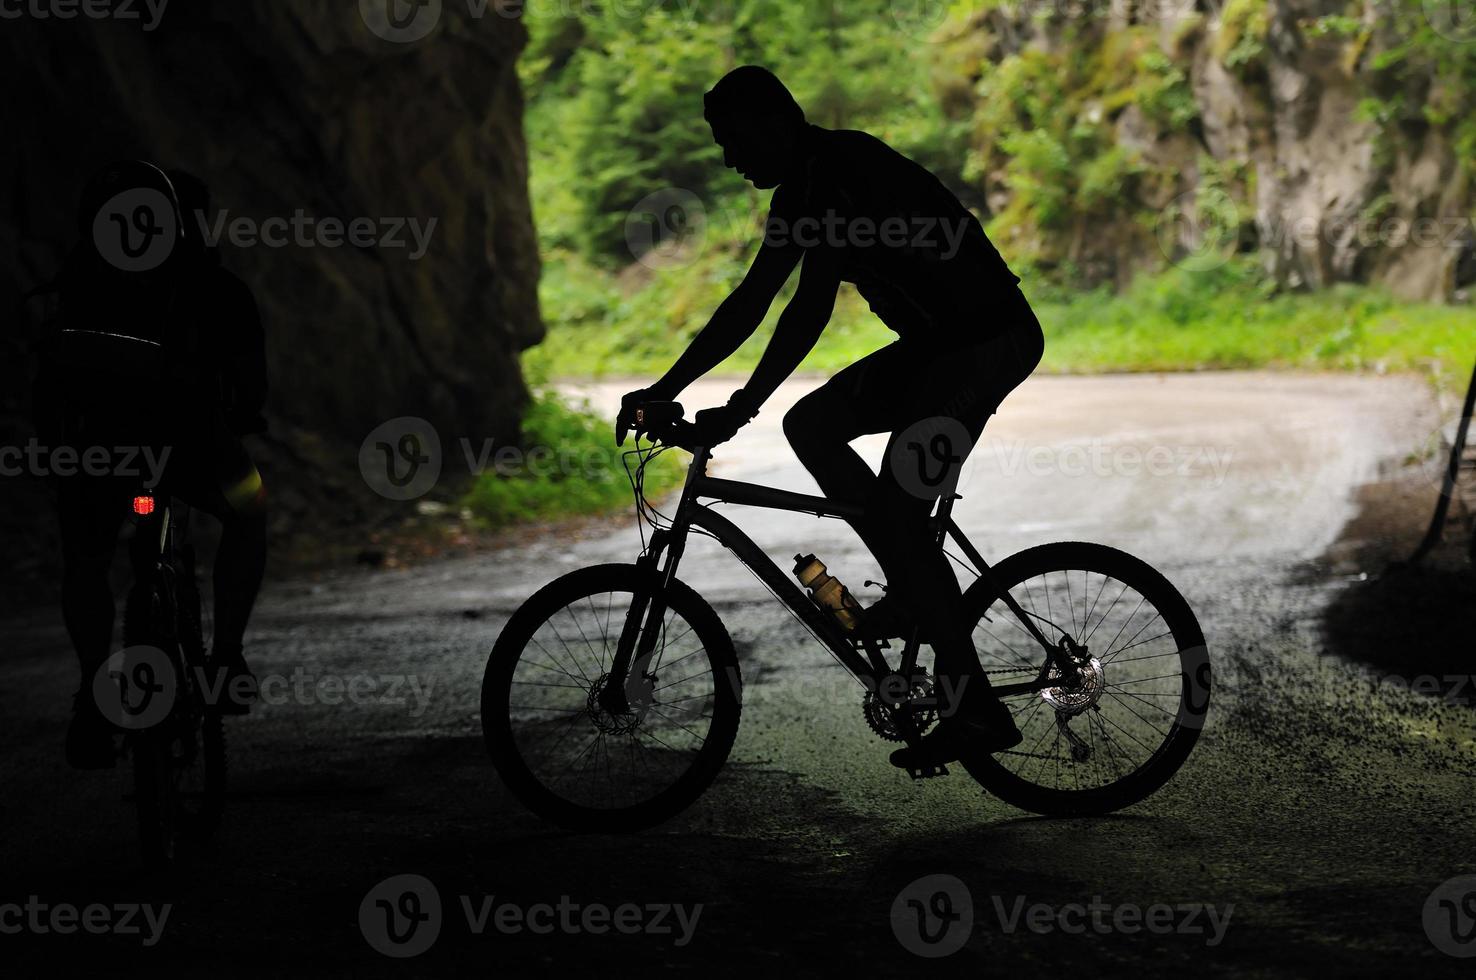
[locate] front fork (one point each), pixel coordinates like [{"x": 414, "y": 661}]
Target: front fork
[{"x": 627, "y": 682}]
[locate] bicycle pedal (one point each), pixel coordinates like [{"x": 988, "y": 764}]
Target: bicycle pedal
[{"x": 928, "y": 772}]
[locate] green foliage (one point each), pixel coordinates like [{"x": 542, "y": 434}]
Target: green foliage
[
  {"x": 615, "y": 100},
  {"x": 1046, "y": 122},
  {"x": 567, "y": 464},
  {"x": 1163, "y": 91},
  {"x": 1241, "y": 41},
  {"x": 615, "y": 113},
  {"x": 1422, "y": 77},
  {"x": 1225, "y": 317}
]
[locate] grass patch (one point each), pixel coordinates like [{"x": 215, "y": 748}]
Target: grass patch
[
  {"x": 567, "y": 465},
  {"x": 1224, "y": 318}
]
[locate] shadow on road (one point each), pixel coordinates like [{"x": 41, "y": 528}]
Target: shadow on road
[{"x": 1415, "y": 624}]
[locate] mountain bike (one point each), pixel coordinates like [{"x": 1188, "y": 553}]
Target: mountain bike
[
  {"x": 151, "y": 690},
  {"x": 176, "y": 741},
  {"x": 611, "y": 699}
]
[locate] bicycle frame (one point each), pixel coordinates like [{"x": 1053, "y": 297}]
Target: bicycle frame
[{"x": 644, "y": 618}]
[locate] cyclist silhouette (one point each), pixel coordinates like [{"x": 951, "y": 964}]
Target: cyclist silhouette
[
  {"x": 160, "y": 351},
  {"x": 848, "y": 208}
]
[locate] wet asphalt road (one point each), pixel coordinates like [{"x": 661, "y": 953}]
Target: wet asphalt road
[{"x": 1305, "y": 834}]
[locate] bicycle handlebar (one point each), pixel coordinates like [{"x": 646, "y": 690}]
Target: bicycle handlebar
[{"x": 661, "y": 422}]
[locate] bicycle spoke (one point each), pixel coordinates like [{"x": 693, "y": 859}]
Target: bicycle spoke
[
  {"x": 1120, "y": 727},
  {"x": 571, "y": 745}
]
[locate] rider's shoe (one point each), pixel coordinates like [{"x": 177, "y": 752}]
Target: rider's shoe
[
  {"x": 89, "y": 736},
  {"x": 991, "y": 728},
  {"x": 233, "y": 685}
]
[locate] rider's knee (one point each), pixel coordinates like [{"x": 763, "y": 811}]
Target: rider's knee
[
  {"x": 246, "y": 500},
  {"x": 804, "y": 425}
]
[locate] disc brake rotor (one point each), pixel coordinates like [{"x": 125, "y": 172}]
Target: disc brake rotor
[{"x": 626, "y": 722}]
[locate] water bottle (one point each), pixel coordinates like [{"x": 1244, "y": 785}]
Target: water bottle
[{"x": 826, "y": 591}]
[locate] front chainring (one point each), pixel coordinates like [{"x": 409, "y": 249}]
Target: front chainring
[{"x": 879, "y": 715}]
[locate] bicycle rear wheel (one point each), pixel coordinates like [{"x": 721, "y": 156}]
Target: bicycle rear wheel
[
  {"x": 560, "y": 752},
  {"x": 1126, "y": 722}
]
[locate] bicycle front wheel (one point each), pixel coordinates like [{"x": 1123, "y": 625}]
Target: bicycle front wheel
[
  {"x": 560, "y": 752},
  {"x": 1124, "y": 721}
]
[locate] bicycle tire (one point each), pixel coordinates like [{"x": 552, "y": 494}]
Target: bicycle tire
[
  {"x": 1000, "y": 781},
  {"x": 152, "y": 797},
  {"x": 513, "y": 643}
]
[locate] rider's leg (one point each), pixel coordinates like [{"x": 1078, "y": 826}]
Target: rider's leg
[
  {"x": 899, "y": 389},
  {"x": 90, "y": 518},
  {"x": 216, "y": 474},
  {"x": 876, "y": 395},
  {"x": 241, "y": 562}
]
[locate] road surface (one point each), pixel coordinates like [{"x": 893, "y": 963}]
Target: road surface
[{"x": 1317, "y": 815}]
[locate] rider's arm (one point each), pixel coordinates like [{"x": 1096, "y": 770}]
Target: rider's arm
[
  {"x": 244, "y": 355},
  {"x": 738, "y": 316},
  {"x": 799, "y": 327}
]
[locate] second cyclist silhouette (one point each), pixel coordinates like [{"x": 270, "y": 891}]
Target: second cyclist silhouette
[
  {"x": 163, "y": 353},
  {"x": 848, "y": 208}
]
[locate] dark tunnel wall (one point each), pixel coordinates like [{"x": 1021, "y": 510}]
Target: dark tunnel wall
[
  {"x": 287, "y": 108},
  {"x": 298, "y": 107}
]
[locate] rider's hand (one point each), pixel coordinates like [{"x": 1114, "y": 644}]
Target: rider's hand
[
  {"x": 625, "y": 421},
  {"x": 716, "y": 426}
]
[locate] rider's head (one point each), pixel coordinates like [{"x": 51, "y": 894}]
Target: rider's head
[
  {"x": 757, "y": 123},
  {"x": 127, "y": 204}
]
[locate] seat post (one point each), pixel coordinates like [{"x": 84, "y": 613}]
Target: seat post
[{"x": 944, "y": 513}]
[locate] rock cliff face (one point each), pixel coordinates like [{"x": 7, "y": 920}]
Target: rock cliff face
[
  {"x": 299, "y": 111},
  {"x": 296, "y": 115},
  {"x": 1323, "y": 190}
]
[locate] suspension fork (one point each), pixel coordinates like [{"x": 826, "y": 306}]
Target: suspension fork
[{"x": 643, "y": 620}]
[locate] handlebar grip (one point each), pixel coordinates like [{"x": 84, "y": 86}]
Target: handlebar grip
[{"x": 649, "y": 414}]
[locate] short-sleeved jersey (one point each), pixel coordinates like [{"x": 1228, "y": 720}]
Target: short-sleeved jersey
[{"x": 918, "y": 257}]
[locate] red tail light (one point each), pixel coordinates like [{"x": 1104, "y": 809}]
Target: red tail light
[{"x": 143, "y": 504}]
